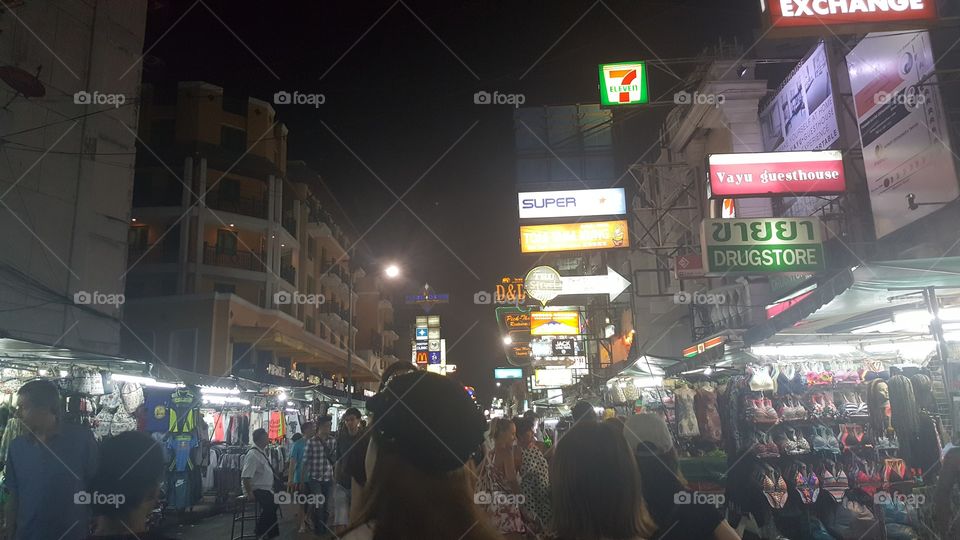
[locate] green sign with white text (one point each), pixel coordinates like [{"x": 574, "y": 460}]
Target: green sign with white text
[
  {"x": 624, "y": 83},
  {"x": 762, "y": 245}
]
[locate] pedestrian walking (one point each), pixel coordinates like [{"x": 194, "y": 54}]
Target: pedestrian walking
[
  {"x": 258, "y": 479},
  {"x": 596, "y": 486},
  {"x": 583, "y": 411},
  {"x": 296, "y": 483},
  {"x": 347, "y": 438},
  {"x": 650, "y": 439},
  {"x": 498, "y": 486},
  {"x": 127, "y": 485},
  {"x": 319, "y": 459},
  {"x": 425, "y": 427},
  {"x": 534, "y": 479},
  {"x": 48, "y": 470}
]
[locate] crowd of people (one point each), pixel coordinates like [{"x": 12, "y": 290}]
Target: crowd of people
[{"x": 428, "y": 466}]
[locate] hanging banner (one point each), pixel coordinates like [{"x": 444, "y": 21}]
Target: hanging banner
[
  {"x": 623, "y": 83},
  {"x": 903, "y": 127},
  {"x": 760, "y": 245},
  {"x": 574, "y": 237},
  {"x": 776, "y": 173}
]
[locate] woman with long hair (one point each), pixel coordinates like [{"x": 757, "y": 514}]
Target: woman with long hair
[
  {"x": 499, "y": 482},
  {"x": 596, "y": 487},
  {"x": 534, "y": 478},
  {"x": 663, "y": 485},
  {"x": 417, "y": 486}
]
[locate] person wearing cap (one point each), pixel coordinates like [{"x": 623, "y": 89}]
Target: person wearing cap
[
  {"x": 425, "y": 428},
  {"x": 665, "y": 492}
]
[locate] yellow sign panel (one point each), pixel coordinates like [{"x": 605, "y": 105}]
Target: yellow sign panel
[
  {"x": 554, "y": 323},
  {"x": 574, "y": 236}
]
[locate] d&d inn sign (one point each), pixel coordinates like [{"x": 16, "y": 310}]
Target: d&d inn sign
[{"x": 761, "y": 245}]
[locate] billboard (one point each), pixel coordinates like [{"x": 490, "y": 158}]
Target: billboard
[
  {"x": 776, "y": 173},
  {"x": 574, "y": 236},
  {"x": 624, "y": 83},
  {"x": 507, "y": 373},
  {"x": 903, "y": 127},
  {"x": 554, "y": 323},
  {"x": 788, "y": 13},
  {"x": 572, "y": 203},
  {"x": 552, "y": 378},
  {"x": 760, "y": 245},
  {"x": 802, "y": 116}
]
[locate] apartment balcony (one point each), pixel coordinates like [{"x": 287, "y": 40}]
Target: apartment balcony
[
  {"x": 242, "y": 260},
  {"x": 289, "y": 223},
  {"x": 289, "y": 273},
  {"x": 334, "y": 316},
  {"x": 246, "y": 206},
  {"x": 325, "y": 224},
  {"x": 158, "y": 253}
]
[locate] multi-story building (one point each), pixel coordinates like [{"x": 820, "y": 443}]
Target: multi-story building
[
  {"x": 69, "y": 91},
  {"x": 235, "y": 267}
]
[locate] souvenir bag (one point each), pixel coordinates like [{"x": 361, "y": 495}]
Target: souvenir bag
[{"x": 131, "y": 394}]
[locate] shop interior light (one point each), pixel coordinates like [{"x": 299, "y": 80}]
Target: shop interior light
[
  {"x": 42, "y": 372},
  {"x": 145, "y": 381},
  {"x": 218, "y": 390},
  {"x": 708, "y": 372},
  {"x": 647, "y": 382},
  {"x": 290, "y": 404},
  {"x": 282, "y": 396},
  {"x": 824, "y": 349},
  {"x": 290, "y": 409},
  {"x": 223, "y": 400},
  {"x": 64, "y": 373}
]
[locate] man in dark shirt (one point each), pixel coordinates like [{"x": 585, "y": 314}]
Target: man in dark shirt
[
  {"x": 347, "y": 438},
  {"x": 48, "y": 471}
]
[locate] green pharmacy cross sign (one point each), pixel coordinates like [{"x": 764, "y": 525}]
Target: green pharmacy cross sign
[
  {"x": 762, "y": 245},
  {"x": 624, "y": 83}
]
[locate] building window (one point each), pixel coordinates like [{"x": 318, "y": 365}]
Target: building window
[
  {"x": 163, "y": 132},
  {"x": 233, "y": 139},
  {"x": 137, "y": 236},
  {"x": 226, "y": 288},
  {"x": 226, "y": 241}
]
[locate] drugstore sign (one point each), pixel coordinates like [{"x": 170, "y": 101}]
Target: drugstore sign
[
  {"x": 760, "y": 245},
  {"x": 623, "y": 84},
  {"x": 786, "y": 13},
  {"x": 776, "y": 173}
]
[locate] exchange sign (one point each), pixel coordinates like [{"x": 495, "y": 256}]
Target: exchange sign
[
  {"x": 624, "y": 83},
  {"x": 574, "y": 237},
  {"x": 829, "y": 12},
  {"x": 776, "y": 173},
  {"x": 760, "y": 245}
]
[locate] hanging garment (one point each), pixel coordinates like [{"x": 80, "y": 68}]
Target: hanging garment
[
  {"x": 686, "y": 416},
  {"x": 182, "y": 411},
  {"x": 179, "y": 490},
  {"x": 243, "y": 428},
  {"x": 181, "y": 446},
  {"x": 708, "y": 418},
  {"x": 274, "y": 428},
  {"x": 218, "y": 420},
  {"x": 156, "y": 403}
]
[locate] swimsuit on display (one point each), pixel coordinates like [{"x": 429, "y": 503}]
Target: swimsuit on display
[
  {"x": 789, "y": 381},
  {"x": 807, "y": 484},
  {"x": 834, "y": 480},
  {"x": 773, "y": 486}
]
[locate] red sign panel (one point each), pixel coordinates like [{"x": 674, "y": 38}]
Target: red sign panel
[
  {"x": 786, "y": 13},
  {"x": 776, "y": 173},
  {"x": 688, "y": 266}
]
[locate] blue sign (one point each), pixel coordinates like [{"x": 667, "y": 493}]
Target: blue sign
[
  {"x": 422, "y": 334},
  {"x": 434, "y": 357}
]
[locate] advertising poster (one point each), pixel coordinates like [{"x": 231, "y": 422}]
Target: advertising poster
[
  {"x": 801, "y": 116},
  {"x": 573, "y": 237},
  {"x": 554, "y": 323},
  {"x": 903, "y": 127}
]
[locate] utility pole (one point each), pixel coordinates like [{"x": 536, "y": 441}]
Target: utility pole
[{"x": 349, "y": 387}]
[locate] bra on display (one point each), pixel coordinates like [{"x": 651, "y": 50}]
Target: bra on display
[{"x": 761, "y": 379}]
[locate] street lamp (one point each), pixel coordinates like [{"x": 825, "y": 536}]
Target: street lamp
[
  {"x": 392, "y": 271},
  {"x": 507, "y": 340}
]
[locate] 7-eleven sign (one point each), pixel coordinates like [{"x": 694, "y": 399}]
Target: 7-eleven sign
[{"x": 623, "y": 84}]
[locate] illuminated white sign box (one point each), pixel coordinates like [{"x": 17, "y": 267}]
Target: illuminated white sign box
[{"x": 572, "y": 203}]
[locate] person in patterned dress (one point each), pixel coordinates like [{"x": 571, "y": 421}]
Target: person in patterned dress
[{"x": 534, "y": 478}]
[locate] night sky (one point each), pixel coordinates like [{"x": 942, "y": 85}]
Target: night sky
[{"x": 399, "y": 95}]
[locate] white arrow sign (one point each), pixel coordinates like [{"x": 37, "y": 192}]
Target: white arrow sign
[{"x": 612, "y": 284}]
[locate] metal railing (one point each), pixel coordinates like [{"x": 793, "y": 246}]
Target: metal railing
[
  {"x": 153, "y": 253},
  {"x": 289, "y": 273},
  {"x": 244, "y": 260},
  {"x": 247, "y": 206}
]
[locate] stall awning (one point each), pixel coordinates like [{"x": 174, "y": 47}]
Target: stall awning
[
  {"x": 857, "y": 298},
  {"x": 13, "y": 351}
]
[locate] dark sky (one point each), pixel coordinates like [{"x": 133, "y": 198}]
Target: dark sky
[{"x": 400, "y": 95}]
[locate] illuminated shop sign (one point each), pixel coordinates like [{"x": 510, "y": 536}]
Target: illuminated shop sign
[
  {"x": 572, "y": 203},
  {"x": 776, "y": 173},
  {"x": 507, "y": 373},
  {"x": 785, "y": 13},
  {"x": 554, "y": 323},
  {"x": 574, "y": 236},
  {"x": 760, "y": 245},
  {"x": 624, "y": 83},
  {"x": 702, "y": 347}
]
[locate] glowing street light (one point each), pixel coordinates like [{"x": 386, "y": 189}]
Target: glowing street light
[
  {"x": 507, "y": 340},
  {"x": 392, "y": 271}
]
